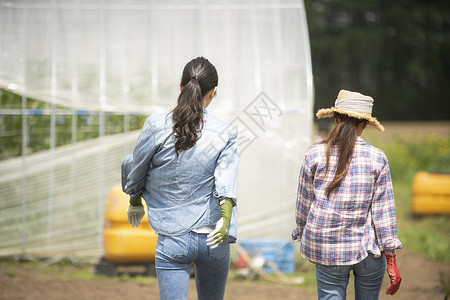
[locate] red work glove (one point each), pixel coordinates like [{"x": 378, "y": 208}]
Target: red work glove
[{"x": 394, "y": 274}]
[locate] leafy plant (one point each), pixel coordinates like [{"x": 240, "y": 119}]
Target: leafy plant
[
  {"x": 406, "y": 157},
  {"x": 38, "y": 125},
  {"x": 428, "y": 235}
]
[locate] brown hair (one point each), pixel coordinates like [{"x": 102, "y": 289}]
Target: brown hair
[
  {"x": 199, "y": 77},
  {"x": 344, "y": 137}
]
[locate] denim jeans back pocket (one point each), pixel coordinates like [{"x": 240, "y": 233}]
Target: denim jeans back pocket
[
  {"x": 221, "y": 251},
  {"x": 372, "y": 263},
  {"x": 175, "y": 246}
]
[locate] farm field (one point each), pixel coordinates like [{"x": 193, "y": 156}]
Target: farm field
[
  {"x": 424, "y": 262},
  {"x": 421, "y": 280}
]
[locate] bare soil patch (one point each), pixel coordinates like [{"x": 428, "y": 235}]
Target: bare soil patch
[{"x": 421, "y": 280}]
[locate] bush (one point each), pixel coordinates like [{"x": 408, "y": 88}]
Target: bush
[
  {"x": 428, "y": 235},
  {"x": 406, "y": 157}
]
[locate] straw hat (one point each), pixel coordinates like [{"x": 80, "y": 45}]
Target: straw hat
[{"x": 353, "y": 104}]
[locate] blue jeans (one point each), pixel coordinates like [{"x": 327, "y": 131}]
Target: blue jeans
[
  {"x": 332, "y": 281},
  {"x": 174, "y": 255}
]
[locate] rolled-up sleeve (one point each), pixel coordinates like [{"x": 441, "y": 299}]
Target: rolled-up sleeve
[
  {"x": 142, "y": 156},
  {"x": 305, "y": 195},
  {"x": 226, "y": 171},
  {"x": 383, "y": 211}
]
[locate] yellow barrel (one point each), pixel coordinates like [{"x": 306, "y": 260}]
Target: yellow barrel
[
  {"x": 430, "y": 194},
  {"x": 122, "y": 242}
]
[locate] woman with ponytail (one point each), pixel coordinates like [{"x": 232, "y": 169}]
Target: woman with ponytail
[
  {"x": 345, "y": 211},
  {"x": 185, "y": 166}
]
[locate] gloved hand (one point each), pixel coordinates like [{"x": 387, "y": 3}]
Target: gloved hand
[
  {"x": 220, "y": 233},
  {"x": 394, "y": 274},
  {"x": 135, "y": 212}
]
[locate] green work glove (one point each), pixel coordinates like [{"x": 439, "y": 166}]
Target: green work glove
[
  {"x": 220, "y": 233},
  {"x": 135, "y": 212}
]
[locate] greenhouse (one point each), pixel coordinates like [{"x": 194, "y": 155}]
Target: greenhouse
[{"x": 78, "y": 78}]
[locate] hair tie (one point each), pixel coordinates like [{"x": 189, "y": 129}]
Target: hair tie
[{"x": 194, "y": 77}]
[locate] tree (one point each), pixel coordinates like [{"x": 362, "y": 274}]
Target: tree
[{"x": 395, "y": 51}]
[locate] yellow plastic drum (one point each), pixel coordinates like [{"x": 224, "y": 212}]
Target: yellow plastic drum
[
  {"x": 121, "y": 241},
  {"x": 430, "y": 194}
]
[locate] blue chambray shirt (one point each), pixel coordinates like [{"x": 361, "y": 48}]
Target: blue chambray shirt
[{"x": 182, "y": 193}]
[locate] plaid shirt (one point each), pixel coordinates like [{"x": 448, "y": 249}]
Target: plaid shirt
[{"x": 359, "y": 217}]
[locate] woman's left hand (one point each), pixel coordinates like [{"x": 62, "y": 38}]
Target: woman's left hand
[{"x": 220, "y": 233}]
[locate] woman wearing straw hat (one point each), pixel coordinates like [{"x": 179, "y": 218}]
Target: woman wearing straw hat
[{"x": 345, "y": 211}]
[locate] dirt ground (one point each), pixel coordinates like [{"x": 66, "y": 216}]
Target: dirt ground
[{"x": 421, "y": 280}]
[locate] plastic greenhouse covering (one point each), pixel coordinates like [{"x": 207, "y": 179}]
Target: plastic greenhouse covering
[{"x": 96, "y": 58}]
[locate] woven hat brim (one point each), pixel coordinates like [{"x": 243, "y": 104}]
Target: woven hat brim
[{"x": 329, "y": 112}]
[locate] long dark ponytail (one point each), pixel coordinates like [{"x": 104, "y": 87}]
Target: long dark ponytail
[
  {"x": 344, "y": 137},
  {"x": 199, "y": 77}
]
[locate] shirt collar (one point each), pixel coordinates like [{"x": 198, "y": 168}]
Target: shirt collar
[
  {"x": 360, "y": 140},
  {"x": 204, "y": 110}
]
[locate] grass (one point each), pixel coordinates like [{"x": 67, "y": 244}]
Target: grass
[
  {"x": 428, "y": 235},
  {"x": 65, "y": 270},
  {"x": 413, "y": 147}
]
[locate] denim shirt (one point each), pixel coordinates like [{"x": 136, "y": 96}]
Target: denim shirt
[{"x": 183, "y": 193}]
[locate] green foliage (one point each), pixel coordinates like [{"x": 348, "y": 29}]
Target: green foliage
[
  {"x": 395, "y": 51},
  {"x": 429, "y": 235},
  {"x": 37, "y": 127},
  {"x": 406, "y": 157}
]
